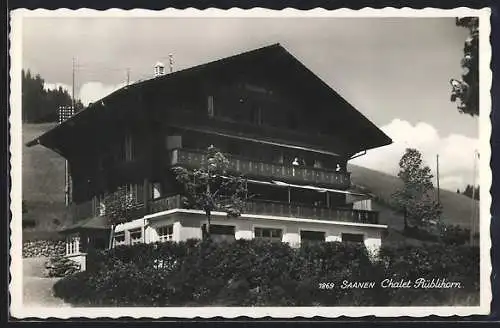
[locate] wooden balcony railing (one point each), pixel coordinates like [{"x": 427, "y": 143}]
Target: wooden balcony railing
[
  {"x": 164, "y": 204},
  {"x": 259, "y": 207},
  {"x": 254, "y": 168},
  {"x": 310, "y": 212},
  {"x": 265, "y": 207}
]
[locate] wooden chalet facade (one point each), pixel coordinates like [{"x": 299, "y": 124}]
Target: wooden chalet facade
[{"x": 262, "y": 108}]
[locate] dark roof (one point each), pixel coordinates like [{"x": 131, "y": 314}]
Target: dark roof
[
  {"x": 93, "y": 223},
  {"x": 266, "y": 58}
]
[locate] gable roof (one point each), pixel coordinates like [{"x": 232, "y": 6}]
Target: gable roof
[{"x": 273, "y": 58}]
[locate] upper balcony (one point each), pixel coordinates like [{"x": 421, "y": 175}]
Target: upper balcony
[{"x": 256, "y": 169}]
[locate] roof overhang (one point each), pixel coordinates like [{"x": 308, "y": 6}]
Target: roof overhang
[
  {"x": 274, "y": 59},
  {"x": 165, "y": 214}
]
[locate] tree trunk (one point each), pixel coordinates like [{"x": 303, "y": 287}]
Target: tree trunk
[
  {"x": 111, "y": 236},
  {"x": 207, "y": 227},
  {"x": 405, "y": 216}
]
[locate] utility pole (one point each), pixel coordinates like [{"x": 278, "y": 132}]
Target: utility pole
[
  {"x": 128, "y": 76},
  {"x": 73, "y": 85},
  {"x": 473, "y": 214},
  {"x": 67, "y": 178},
  {"x": 437, "y": 177}
]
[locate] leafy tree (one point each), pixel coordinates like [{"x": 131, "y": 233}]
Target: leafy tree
[
  {"x": 119, "y": 206},
  {"x": 415, "y": 199},
  {"x": 210, "y": 187},
  {"x": 466, "y": 90}
]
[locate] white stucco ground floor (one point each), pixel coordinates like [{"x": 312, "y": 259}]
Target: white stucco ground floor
[{"x": 183, "y": 224}]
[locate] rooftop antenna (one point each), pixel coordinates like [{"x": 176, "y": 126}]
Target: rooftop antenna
[{"x": 171, "y": 62}]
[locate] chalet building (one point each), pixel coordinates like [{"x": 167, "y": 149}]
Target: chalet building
[{"x": 288, "y": 132}]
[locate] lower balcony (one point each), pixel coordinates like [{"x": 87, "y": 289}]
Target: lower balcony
[
  {"x": 258, "y": 207},
  {"x": 273, "y": 208}
]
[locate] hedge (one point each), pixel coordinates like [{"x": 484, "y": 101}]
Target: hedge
[
  {"x": 257, "y": 273},
  {"x": 44, "y": 248}
]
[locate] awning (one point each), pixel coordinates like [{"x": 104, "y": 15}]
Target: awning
[
  {"x": 318, "y": 189},
  {"x": 267, "y": 142},
  {"x": 93, "y": 223}
]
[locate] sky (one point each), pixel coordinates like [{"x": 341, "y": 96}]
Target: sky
[{"x": 395, "y": 71}]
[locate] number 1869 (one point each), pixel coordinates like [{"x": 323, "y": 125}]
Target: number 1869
[{"x": 326, "y": 285}]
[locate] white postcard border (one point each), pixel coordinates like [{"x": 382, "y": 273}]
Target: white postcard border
[{"x": 19, "y": 311}]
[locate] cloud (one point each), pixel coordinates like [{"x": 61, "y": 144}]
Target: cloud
[
  {"x": 456, "y": 153},
  {"x": 92, "y": 91},
  {"x": 89, "y": 91}
]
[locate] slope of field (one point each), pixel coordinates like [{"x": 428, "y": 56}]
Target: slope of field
[
  {"x": 43, "y": 182},
  {"x": 457, "y": 208}
]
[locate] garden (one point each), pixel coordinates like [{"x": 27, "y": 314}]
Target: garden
[{"x": 261, "y": 273}]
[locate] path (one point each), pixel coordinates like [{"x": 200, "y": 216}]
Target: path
[{"x": 37, "y": 290}]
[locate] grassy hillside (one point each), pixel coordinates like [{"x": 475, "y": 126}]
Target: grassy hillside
[
  {"x": 43, "y": 181},
  {"x": 43, "y": 188},
  {"x": 457, "y": 208}
]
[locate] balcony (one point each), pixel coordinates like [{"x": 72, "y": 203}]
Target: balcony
[
  {"x": 253, "y": 168},
  {"x": 282, "y": 209},
  {"x": 258, "y": 207}
]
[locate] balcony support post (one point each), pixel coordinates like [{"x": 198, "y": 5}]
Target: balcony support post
[
  {"x": 327, "y": 199},
  {"x": 289, "y": 195}
]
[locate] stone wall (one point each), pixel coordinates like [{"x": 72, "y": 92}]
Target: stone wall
[{"x": 46, "y": 248}]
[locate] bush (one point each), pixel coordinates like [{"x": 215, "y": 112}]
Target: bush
[
  {"x": 45, "y": 248},
  {"x": 60, "y": 266},
  {"x": 455, "y": 235},
  {"x": 258, "y": 273}
]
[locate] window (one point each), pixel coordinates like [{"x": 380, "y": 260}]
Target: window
[
  {"x": 132, "y": 192},
  {"x": 256, "y": 115},
  {"x": 210, "y": 107},
  {"x": 119, "y": 238},
  {"x": 129, "y": 148},
  {"x": 165, "y": 233},
  {"x": 73, "y": 245},
  {"x": 268, "y": 234},
  {"x": 100, "y": 208},
  {"x": 221, "y": 232},
  {"x": 312, "y": 236},
  {"x": 156, "y": 190},
  {"x": 135, "y": 236},
  {"x": 353, "y": 237}
]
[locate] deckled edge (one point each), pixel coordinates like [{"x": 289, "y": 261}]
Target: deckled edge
[
  {"x": 15, "y": 287},
  {"x": 15, "y": 149}
]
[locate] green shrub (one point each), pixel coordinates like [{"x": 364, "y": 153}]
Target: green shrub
[
  {"x": 259, "y": 273},
  {"x": 60, "y": 266},
  {"x": 454, "y": 235}
]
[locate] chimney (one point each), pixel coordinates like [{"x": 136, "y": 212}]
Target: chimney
[{"x": 159, "y": 69}]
